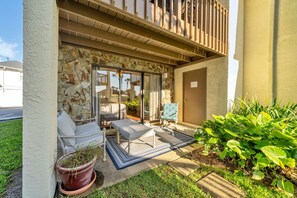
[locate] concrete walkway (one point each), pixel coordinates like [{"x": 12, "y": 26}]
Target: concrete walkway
[
  {"x": 211, "y": 183},
  {"x": 10, "y": 113}
]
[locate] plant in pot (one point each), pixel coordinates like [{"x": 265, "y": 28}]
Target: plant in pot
[{"x": 76, "y": 169}]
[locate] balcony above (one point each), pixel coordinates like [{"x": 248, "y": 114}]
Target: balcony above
[{"x": 172, "y": 32}]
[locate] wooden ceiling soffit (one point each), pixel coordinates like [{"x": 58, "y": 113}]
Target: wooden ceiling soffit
[
  {"x": 114, "y": 49},
  {"x": 90, "y": 13},
  {"x": 101, "y": 34}
]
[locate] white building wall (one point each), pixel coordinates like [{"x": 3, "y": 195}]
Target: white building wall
[{"x": 11, "y": 88}]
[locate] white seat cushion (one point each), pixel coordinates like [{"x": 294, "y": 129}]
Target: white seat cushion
[
  {"x": 66, "y": 127},
  {"x": 92, "y": 129},
  {"x": 131, "y": 129}
]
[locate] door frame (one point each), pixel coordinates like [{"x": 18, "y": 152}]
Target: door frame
[{"x": 119, "y": 69}]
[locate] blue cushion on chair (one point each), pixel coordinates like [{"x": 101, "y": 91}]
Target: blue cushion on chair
[{"x": 170, "y": 112}]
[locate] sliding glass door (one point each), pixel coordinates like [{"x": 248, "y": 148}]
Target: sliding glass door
[{"x": 121, "y": 94}]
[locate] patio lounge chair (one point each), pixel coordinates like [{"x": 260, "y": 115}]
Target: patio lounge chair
[
  {"x": 72, "y": 137},
  {"x": 169, "y": 113}
]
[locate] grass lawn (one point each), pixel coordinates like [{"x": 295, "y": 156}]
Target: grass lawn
[
  {"x": 10, "y": 150},
  {"x": 164, "y": 181}
]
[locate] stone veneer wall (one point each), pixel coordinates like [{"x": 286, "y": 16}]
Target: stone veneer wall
[{"x": 74, "y": 77}]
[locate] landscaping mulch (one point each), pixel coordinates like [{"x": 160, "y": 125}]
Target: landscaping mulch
[
  {"x": 14, "y": 187},
  {"x": 211, "y": 159}
]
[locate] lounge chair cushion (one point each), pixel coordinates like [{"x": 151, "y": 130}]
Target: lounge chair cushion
[
  {"x": 66, "y": 127},
  {"x": 131, "y": 129},
  {"x": 94, "y": 137}
]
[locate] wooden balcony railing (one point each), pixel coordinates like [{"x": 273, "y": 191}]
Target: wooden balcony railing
[{"x": 203, "y": 21}]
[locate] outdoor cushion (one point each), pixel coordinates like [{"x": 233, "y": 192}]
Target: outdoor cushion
[
  {"x": 122, "y": 123},
  {"x": 92, "y": 133},
  {"x": 133, "y": 132},
  {"x": 66, "y": 127},
  {"x": 170, "y": 112},
  {"x": 131, "y": 129}
]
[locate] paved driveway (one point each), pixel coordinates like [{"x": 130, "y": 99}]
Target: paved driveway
[{"x": 11, "y": 113}]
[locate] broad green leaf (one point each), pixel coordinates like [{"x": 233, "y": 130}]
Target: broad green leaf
[
  {"x": 234, "y": 146},
  {"x": 262, "y": 143},
  {"x": 280, "y": 183},
  {"x": 274, "y": 150},
  {"x": 197, "y": 136},
  {"x": 231, "y": 133},
  {"x": 222, "y": 154},
  {"x": 289, "y": 162},
  {"x": 241, "y": 163},
  {"x": 263, "y": 118},
  {"x": 252, "y": 138},
  {"x": 210, "y": 132},
  {"x": 289, "y": 188},
  {"x": 274, "y": 153},
  {"x": 263, "y": 162},
  {"x": 233, "y": 143},
  {"x": 212, "y": 141},
  {"x": 219, "y": 119},
  {"x": 258, "y": 175},
  {"x": 258, "y": 155},
  {"x": 282, "y": 135}
]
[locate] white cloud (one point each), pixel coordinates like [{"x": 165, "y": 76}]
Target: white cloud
[{"x": 7, "y": 50}]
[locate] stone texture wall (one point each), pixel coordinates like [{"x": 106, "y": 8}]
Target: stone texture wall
[{"x": 74, "y": 77}]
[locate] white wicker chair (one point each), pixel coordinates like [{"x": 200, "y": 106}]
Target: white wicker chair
[{"x": 72, "y": 137}]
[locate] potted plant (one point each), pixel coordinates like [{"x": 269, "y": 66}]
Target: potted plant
[{"x": 76, "y": 169}]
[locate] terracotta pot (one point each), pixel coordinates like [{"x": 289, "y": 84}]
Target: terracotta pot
[{"x": 75, "y": 178}]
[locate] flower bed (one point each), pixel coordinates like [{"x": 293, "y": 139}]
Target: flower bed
[{"x": 259, "y": 140}]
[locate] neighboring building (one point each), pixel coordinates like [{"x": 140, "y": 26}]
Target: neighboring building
[
  {"x": 11, "y": 84},
  {"x": 270, "y": 40},
  {"x": 202, "y": 54}
]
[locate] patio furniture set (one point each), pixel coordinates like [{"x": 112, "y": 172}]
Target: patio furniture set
[{"x": 72, "y": 137}]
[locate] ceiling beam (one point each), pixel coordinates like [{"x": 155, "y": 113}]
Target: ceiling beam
[
  {"x": 90, "y": 13},
  {"x": 197, "y": 61},
  {"x": 101, "y": 34},
  {"x": 114, "y": 49}
]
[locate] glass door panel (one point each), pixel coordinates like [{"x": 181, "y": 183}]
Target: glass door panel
[
  {"x": 152, "y": 96},
  {"x": 131, "y": 94},
  {"x": 106, "y": 95}
]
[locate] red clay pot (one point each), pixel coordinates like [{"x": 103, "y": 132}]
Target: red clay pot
[{"x": 75, "y": 178}]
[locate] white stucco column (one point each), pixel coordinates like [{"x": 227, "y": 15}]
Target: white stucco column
[{"x": 40, "y": 97}]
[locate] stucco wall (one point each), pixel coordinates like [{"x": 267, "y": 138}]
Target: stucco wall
[
  {"x": 270, "y": 39},
  {"x": 258, "y": 49},
  {"x": 286, "y": 60},
  {"x": 40, "y": 94},
  {"x": 74, "y": 77},
  {"x": 217, "y": 82}
]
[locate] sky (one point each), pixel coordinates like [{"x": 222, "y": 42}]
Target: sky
[{"x": 11, "y": 30}]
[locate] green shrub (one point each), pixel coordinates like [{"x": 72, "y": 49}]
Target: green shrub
[{"x": 259, "y": 139}]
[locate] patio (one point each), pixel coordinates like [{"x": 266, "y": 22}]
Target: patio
[{"x": 112, "y": 175}]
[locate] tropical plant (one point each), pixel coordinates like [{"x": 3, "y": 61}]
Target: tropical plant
[
  {"x": 262, "y": 140},
  {"x": 133, "y": 105}
]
